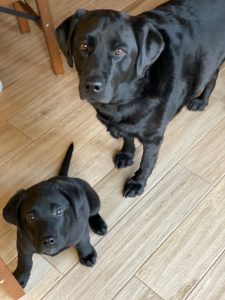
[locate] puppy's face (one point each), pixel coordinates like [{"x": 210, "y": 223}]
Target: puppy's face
[
  {"x": 111, "y": 51},
  {"x": 52, "y": 217},
  {"x": 46, "y": 218}
]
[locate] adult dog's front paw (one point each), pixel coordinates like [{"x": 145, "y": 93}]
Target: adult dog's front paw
[
  {"x": 133, "y": 188},
  {"x": 197, "y": 104},
  {"x": 21, "y": 277},
  {"x": 123, "y": 160},
  {"x": 90, "y": 259},
  {"x": 113, "y": 130}
]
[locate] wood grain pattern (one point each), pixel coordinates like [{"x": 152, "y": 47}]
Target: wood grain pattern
[
  {"x": 12, "y": 69},
  {"x": 118, "y": 5},
  {"x": 139, "y": 6},
  {"x": 15, "y": 98},
  {"x": 13, "y": 140},
  {"x": 212, "y": 286},
  {"x": 136, "y": 290},
  {"x": 47, "y": 110},
  {"x": 180, "y": 263},
  {"x": 212, "y": 167}
]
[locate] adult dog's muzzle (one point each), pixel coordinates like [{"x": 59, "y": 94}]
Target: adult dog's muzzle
[{"x": 93, "y": 89}]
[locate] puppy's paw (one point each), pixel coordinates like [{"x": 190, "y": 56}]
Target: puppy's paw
[
  {"x": 133, "y": 188},
  {"x": 123, "y": 160},
  {"x": 90, "y": 259},
  {"x": 197, "y": 104},
  {"x": 21, "y": 277},
  {"x": 98, "y": 225}
]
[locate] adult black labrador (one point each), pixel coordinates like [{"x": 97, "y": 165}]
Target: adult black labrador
[
  {"x": 139, "y": 71},
  {"x": 52, "y": 216}
]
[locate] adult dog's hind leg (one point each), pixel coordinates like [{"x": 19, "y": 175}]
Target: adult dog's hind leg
[
  {"x": 125, "y": 157},
  {"x": 199, "y": 104}
]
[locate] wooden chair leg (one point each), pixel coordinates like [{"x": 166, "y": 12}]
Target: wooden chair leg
[
  {"x": 8, "y": 281},
  {"x": 49, "y": 33},
  {"x": 23, "y": 23}
]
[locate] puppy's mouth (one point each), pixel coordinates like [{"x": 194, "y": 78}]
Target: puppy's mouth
[
  {"x": 49, "y": 249},
  {"x": 51, "y": 252}
]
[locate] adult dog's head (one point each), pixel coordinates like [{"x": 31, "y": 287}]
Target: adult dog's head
[
  {"x": 50, "y": 216},
  {"x": 111, "y": 51}
]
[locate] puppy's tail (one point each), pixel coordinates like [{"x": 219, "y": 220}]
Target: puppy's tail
[{"x": 66, "y": 162}]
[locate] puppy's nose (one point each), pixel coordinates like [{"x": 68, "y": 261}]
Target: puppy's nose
[
  {"x": 48, "y": 241},
  {"x": 93, "y": 85}
]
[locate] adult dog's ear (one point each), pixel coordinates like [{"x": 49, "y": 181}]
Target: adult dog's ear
[
  {"x": 150, "y": 45},
  {"x": 76, "y": 196},
  {"x": 11, "y": 210},
  {"x": 65, "y": 32}
]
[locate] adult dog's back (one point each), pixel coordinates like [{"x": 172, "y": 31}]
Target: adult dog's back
[{"x": 200, "y": 29}]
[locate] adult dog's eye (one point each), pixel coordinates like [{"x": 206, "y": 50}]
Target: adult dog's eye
[
  {"x": 83, "y": 47},
  {"x": 59, "y": 212},
  {"x": 30, "y": 218},
  {"x": 119, "y": 52}
]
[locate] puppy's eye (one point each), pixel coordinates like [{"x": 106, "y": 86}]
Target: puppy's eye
[
  {"x": 59, "y": 212},
  {"x": 119, "y": 52},
  {"x": 83, "y": 47},
  {"x": 30, "y": 218}
]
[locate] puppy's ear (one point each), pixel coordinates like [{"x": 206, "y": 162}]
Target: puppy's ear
[
  {"x": 76, "y": 196},
  {"x": 65, "y": 32},
  {"x": 150, "y": 45},
  {"x": 92, "y": 196},
  {"x": 11, "y": 210}
]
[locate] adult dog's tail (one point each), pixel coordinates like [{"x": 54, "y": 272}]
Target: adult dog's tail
[{"x": 66, "y": 162}]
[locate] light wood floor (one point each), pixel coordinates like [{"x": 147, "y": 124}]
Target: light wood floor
[{"x": 167, "y": 244}]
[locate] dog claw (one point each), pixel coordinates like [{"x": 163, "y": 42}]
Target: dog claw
[
  {"x": 133, "y": 189},
  {"x": 123, "y": 160},
  {"x": 197, "y": 105}
]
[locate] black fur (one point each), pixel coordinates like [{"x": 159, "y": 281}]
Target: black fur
[
  {"x": 52, "y": 216},
  {"x": 170, "y": 58}
]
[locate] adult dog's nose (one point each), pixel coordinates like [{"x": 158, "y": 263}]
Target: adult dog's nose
[
  {"x": 48, "y": 241},
  {"x": 94, "y": 85}
]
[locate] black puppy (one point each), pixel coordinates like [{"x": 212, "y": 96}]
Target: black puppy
[
  {"x": 52, "y": 216},
  {"x": 138, "y": 72}
]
